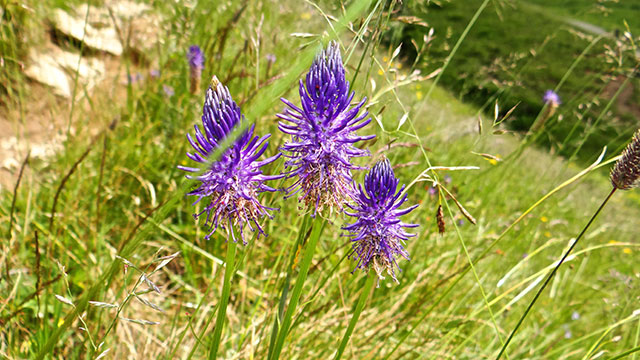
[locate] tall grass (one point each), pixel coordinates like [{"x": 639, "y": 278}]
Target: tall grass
[{"x": 120, "y": 196}]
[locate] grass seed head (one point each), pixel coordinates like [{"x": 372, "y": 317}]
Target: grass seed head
[{"x": 625, "y": 174}]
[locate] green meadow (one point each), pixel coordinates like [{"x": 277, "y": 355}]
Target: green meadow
[{"x": 101, "y": 256}]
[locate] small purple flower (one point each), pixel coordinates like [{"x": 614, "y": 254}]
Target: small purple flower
[
  {"x": 575, "y": 315},
  {"x": 550, "y": 97},
  {"x": 195, "y": 57},
  {"x": 378, "y": 234},
  {"x": 323, "y": 134},
  {"x": 231, "y": 184},
  {"x": 154, "y": 73},
  {"x": 196, "y": 64},
  {"x": 271, "y": 58},
  {"x": 168, "y": 90},
  {"x": 135, "y": 78}
]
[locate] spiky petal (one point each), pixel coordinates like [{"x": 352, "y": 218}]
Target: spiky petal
[
  {"x": 378, "y": 234},
  {"x": 230, "y": 185},
  {"x": 625, "y": 174},
  {"x": 323, "y": 134}
]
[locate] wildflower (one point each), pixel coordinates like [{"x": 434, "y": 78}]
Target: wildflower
[
  {"x": 625, "y": 174},
  {"x": 232, "y": 183},
  {"x": 552, "y": 101},
  {"x": 575, "y": 315},
  {"x": 271, "y": 58},
  {"x": 196, "y": 65},
  {"x": 378, "y": 234},
  {"x": 323, "y": 133},
  {"x": 154, "y": 73},
  {"x": 134, "y": 78},
  {"x": 552, "y": 98},
  {"x": 168, "y": 90}
]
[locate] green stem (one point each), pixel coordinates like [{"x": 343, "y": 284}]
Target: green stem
[
  {"x": 553, "y": 272},
  {"x": 297, "y": 290},
  {"x": 626, "y": 353},
  {"x": 356, "y": 314},
  {"x": 224, "y": 299},
  {"x": 304, "y": 227}
]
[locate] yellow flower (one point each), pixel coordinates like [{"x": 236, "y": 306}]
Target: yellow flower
[
  {"x": 613, "y": 242},
  {"x": 544, "y": 219},
  {"x": 419, "y": 95},
  {"x": 305, "y": 16},
  {"x": 626, "y": 251},
  {"x": 380, "y": 72},
  {"x": 547, "y": 234},
  {"x": 385, "y": 59},
  {"x": 60, "y": 321}
]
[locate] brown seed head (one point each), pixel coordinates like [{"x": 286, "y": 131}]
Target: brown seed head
[
  {"x": 440, "y": 220},
  {"x": 625, "y": 174}
]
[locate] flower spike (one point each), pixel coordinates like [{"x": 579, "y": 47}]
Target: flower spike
[
  {"x": 232, "y": 183},
  {"x": 378, "y": 234},
  {"x": 323, "y": 134}
]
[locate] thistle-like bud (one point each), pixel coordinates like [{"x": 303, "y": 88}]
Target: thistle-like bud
[
  {"x": 230, "y": 185},
  {"x": 625, "y": 174},
  {"x": 323, "y": 135},
  {"x": 378, "y": 235}
]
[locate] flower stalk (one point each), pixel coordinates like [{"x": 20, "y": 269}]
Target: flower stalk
[
  {"x": 310, "y": 249},
  {"x": 224, "y": 299},
  {"x": 625, "y": 175},
  {"x": 364, "y": 295}
]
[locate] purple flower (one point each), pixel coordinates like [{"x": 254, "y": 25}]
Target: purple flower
[
  {"x": 168, "y": 90},
  {"x": 271, "y": 58},
  {"x": 378, "y": 234},
  {"x": 231, "y": 184},
  {"x": 550, "y": 97},
  {"x": 154, "y": 73},
  {"x": 195, "y": 57},
  {"x": 323, "y": 133},
  {"x": 196, "y": 64},
  {"x": 135, "y": 78}
]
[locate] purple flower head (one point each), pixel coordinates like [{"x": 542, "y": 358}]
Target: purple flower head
[
  {"x": 378, "y": 234},
  {"x": 135, "y": 78},
  {"x": 168, "y": 90},
  {"x": 154, "y": 73},
  {"x": 195, "y": 57},
  {"x": 323, "y": 134},
  {"x": 231, "y": 184},
  {"x": 271, "y": 58},
  {"x": 550, "y": 97}
]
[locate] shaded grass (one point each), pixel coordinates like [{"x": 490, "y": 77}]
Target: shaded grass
[{"x": 517, "y": 51}]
